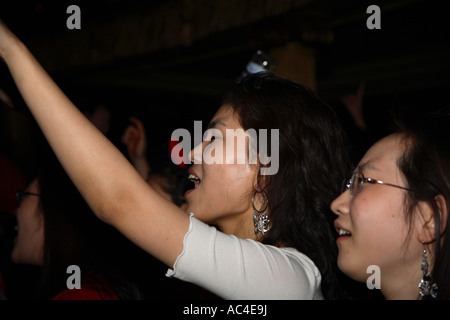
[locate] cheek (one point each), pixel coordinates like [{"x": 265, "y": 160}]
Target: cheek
[
  {"x": 26, "y": 216},
  {"x": 228, "y": 187},
  {"x": 379, "y": 217},
  {"x": 379, "y": 231},
  {"x": 30, "y": 236},
  {"x": 30, "y": 242}
]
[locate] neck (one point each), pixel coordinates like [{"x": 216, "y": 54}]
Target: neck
[
  {"x": 240, "y": 226},
  {"x": 402, "y": 285}
]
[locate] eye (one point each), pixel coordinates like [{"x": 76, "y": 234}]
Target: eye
[{"x": 212, "y": 134}]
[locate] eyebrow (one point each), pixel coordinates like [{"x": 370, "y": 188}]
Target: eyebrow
[
  {"x": 215, "y": 123},
  {"x": 367, "y": 165}
]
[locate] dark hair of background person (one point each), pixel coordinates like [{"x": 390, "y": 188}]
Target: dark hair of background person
[
  {"x": 75, "y": 236},
  {"x": 175, "y": 178},
  {"x": 313, "y": 163},
  {"x": 426, "y": 167}
]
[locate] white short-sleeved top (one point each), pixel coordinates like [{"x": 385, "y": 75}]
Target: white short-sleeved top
[{"x": 235, "y": 268}]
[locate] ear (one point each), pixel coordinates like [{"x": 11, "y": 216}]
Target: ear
[
  {"x": 261, "y": 181},
  {"x": 441, "y": 205},
  {"x": 428, "y": 213}
]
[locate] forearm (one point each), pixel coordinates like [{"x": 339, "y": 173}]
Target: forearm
[
  {"x": 106, "y": 179},
  {"x": 88, "y": 157},
  {"x": 142, "y": 167}
]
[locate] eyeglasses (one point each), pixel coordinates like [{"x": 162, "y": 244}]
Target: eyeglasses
[
  {"x": 20, "y": 195},
  {"x": 357, "y": 180}
]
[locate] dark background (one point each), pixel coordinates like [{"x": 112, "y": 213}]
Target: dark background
[{"x": 166, "y": 61}]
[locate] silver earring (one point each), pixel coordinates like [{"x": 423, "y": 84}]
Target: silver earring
[
  {"x": 261, "y": 217},
  {"x": 426, "y": 285}
]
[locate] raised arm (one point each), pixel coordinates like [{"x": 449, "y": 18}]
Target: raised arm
[{"x": 109, "y": 183}]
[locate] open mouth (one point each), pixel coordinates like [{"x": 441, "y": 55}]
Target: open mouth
[
  {"x": 343, "y": 232},
  {"x": 195, "y": 180}
]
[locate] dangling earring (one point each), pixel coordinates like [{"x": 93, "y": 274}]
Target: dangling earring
[
  {"x": 426, "y": 285},
  {"x": 261, "y": 217}
]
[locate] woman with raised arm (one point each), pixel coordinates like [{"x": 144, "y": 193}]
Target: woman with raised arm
[{"x": 275, "y": 240}]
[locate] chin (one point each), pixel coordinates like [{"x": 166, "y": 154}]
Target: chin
[
  {"x": 23, "y": 258},
  {"x": 16, "y": 257}
]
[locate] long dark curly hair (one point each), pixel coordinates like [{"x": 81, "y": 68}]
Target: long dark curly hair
[{"x": 313, "y": 162}]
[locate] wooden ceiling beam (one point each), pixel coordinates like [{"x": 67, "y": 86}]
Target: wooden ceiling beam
[{"x": 171, "y": 24}]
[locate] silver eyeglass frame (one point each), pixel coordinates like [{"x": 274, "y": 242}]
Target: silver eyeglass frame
[{"x": 351, "y": 183}]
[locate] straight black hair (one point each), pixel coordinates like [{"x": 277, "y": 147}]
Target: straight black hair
[{"x": 425, "y": 165}]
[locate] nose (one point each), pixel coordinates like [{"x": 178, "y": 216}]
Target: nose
[
  {"x": 341, "y": 204},
  {"x": 196, "y": 154}
]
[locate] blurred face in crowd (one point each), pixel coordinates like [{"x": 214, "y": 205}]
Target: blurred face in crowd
[
  {"x": 372, "y": 223},
  {"x": 223, "y": 192},
  {"x": 29, "y": 244}
]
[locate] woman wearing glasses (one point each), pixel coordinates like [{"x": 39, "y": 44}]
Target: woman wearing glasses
[
  {"x": 56, "y": 229},
  {"x": 29, "y": 243},
  {"x": 394, "y": 213},
  {"x": 276, "y": 240}
]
